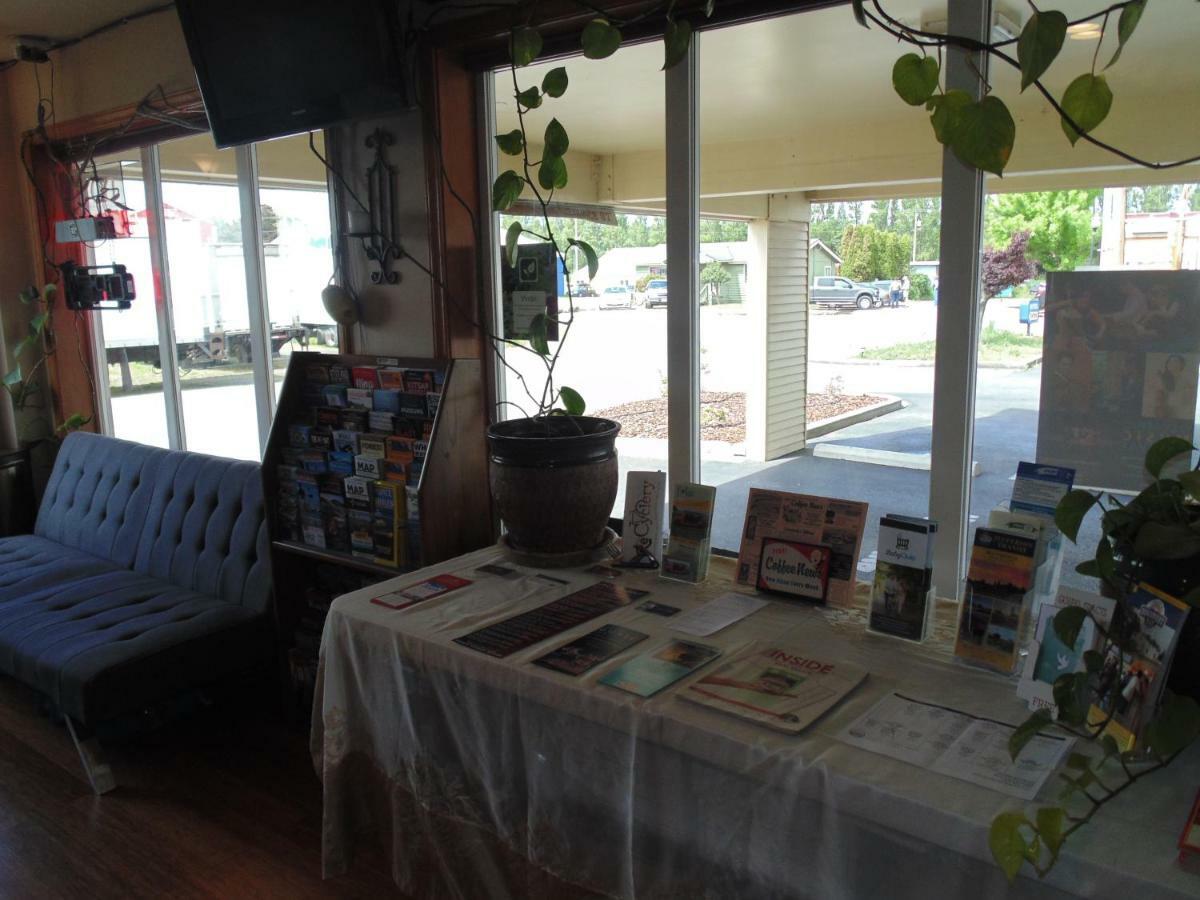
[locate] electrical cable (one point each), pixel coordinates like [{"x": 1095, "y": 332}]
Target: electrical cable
[{"x": 312, "y": 145}]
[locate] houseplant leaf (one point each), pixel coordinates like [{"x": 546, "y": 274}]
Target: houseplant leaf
[
  {"x": 1071, "y": 698},
  {"x": 1176, "y": 725},
  {"x": 13, "y": 378},
  {"x": 552, "y": 173},
  {"x": 555, "y": 82},
  {"x": 530, "y": 98},
  {"x": 1026, "y": 731},
  {"x": 1163, "y": 451},
  {"x": 860, "y": 15},
  {"x": 675, "y": 42},
  {"x": 556, "y": 140},
  {"x": 510, "y": 242},
  {"x": 1071, "y": 509},
  {"x": 506, "y": 189},
  {"x": 38, "y": 323},
  {"x": 1087, "y": 101},
  {"x": 511, "y": 143},
  {"x": 537, "y": 335},
  {"x": 945, "y": 108},
  {"x": 1068, "y": 623},
  {"x": 593, "y": 261},
  {"x": 983, "y": 135},
  {"x": 1165, "y": 540},
  {"x": 1050, "y": 820},
  {"x": 572, "y": 401},
  {"x": 74, "y": 422},
  {"x": 1041, "y": 39},
  {"x": 600, "y": 39},
  {"x": 1007, "y": 844},
  {"x": 1126, "y": 25},
  {"x": 1191, "y": 483},
  {"x": 525, "y": 45},
  {"x": 915, "y": 78}
]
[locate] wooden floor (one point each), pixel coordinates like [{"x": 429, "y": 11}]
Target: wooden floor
[{"x": 223, "y": 803}]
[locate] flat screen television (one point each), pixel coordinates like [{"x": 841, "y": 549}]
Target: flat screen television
[{"x": 269, "y": 68}]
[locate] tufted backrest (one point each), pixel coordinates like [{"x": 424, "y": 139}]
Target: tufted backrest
[{"x": 194, "y": 520}]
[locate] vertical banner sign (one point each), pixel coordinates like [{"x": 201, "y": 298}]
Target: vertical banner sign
[
  {"x": 1119, "y": 369},
  {"x": 530, "y": 288}
]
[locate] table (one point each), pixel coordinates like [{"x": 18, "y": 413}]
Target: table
[{"x": 506, "y": 779}]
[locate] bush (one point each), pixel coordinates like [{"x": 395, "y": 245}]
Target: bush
[
  {"x": 920, "y": 286},
  {"x": 640, "y": 285}
]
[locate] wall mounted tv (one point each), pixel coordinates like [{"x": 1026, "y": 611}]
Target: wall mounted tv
[{"x": 268, "y": 68}]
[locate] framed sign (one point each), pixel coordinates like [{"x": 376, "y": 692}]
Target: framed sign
[{"x": 795, "y": 568}]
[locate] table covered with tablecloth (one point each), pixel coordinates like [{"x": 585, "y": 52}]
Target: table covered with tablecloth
[{"x": 495, "y": 777}]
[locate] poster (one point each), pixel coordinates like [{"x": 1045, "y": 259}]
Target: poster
[
  {"x": 530, "y": 288},
  {"x": 1119, "y": 370}
]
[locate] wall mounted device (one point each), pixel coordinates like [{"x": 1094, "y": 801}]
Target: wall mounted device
[
  {"x": 85, "y": 230},
  {"x": 97, "y": 287}
]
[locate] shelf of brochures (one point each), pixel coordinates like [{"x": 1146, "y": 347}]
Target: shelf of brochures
[{"x": 375, "y": 466}]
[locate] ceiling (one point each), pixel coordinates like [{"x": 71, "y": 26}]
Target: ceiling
[
  {"x": 60, "y": 19},
  {"x": 796, "y": 76}
]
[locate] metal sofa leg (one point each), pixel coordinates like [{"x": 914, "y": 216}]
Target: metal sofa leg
[{"x": 99, "y": 773}]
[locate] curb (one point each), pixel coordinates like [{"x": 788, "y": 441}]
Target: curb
[
  {"x": 822, "y": 427},
  {"x": 892, "y": 458}
]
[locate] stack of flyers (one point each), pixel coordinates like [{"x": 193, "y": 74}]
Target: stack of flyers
[
  {"x": 903, "y": 577},
  {"x": 999, "y": 580},
  {"x": 650, "y": 673},
  {"x": 422, "y": 590},
  {"x": 686, "y": 558}
]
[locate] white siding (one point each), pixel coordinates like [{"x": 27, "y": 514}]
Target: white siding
[{"x": 787, "y": 337}]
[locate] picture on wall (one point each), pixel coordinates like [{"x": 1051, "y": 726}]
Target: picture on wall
[{"x": 1119, "y": 370}]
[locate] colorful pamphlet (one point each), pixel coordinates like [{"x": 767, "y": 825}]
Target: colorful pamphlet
[
  {"x": 781, "y": 687},
  {"x": 648, "y": 674},
  {"x": 645, "y": 498},
  {"x": 587, "y": 652},
  {"x": 794, "y": 568},
  {"x": 999, "y": 579},
  {"x": 1037, "y": 488},
  {"x": 1049, "y": 658},
  {"x": 836, "y": 524},
  {"x": 688, "y": 548},
  {"x": 503, "y": 638},
  {"x": 1140, "y": 676},
  {"x": 422, "y": 590},
  {"x": 900, "y": 595}
]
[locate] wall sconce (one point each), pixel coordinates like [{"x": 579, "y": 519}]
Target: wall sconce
[{"x": 374, "y": 225}]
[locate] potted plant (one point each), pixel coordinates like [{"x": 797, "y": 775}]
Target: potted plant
[
  {"x": 553, "y": 472},
  {"x": 1152, "y": 538}
]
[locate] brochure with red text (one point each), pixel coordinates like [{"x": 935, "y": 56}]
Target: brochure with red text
[
  {"x": 782, "y": 687},
  {"x": 422, "y": 590}
]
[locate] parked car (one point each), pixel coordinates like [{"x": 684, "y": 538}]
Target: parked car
[
  {"x": 834, "y": 290},
  {"x": 583, "y": 289},
  {"x": 656, "y": 292},
  {"x": 617, "y": 297}
]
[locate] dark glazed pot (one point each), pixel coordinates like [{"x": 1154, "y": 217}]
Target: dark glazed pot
[{"x": 554, "y": 480}]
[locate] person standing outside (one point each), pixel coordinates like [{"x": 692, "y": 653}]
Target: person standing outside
[
  {"x": 894, "y": 299},
  {"x": 905, "y": 285}
]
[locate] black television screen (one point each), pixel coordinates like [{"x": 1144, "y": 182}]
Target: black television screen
[{"x": 268, "y": 68}]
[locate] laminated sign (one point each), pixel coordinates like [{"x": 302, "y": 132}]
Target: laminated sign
[{"x": 794, "y": 567}]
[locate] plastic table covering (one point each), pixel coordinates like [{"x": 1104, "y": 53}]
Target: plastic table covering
[{"x": 494, "y": 777}]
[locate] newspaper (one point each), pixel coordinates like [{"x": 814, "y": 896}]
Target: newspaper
[{"x": 838, "y": 524}]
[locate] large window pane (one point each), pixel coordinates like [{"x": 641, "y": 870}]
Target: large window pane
[
  {"x": 208, "y": 295},
  {"x": 813, "y": 202},
  {"x": 131, "y": 345},
  {"x": 616, "y": 354}
]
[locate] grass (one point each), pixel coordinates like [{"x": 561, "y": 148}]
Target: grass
[{"x": 996, "y": 345}]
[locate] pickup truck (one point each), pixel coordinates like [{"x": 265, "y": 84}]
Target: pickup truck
[
  {"x": 834, "y": 290},
  {"x": 656, "y": 293}
]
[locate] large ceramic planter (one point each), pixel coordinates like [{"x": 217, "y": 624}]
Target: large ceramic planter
[{"x": 554, "y": 480}]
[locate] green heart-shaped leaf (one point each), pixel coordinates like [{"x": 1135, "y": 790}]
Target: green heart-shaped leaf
[
  {"x": 525, "y": 45},
  {"x": 860, "y": 15},
  {"x": 945, "y": 109},
  {"x": 1126, "y": 25},
  {"x": 1163, "y": 451},
  {"x": 915, "y": 78},
  {"x": 555, "y": 82},
  {"x": 1164, "y": 540},
  {"x": 511, "y": 143},
  {"x": 1049, "y": 823},
  {"x": 1006, "y": 842},
  {"x": 1071, "y": 696},
  {"x": 552, "y": 173},
  {"x": 1176, "y": 725},
  {"x": 1087, "y": 101},
  {"x": 537, "y": 335},
  {"x": 1071, "y": 509},
  {"x": 983, "y": 134},
  {"x": 600, "y": 39},
  {"x": 1026, "y": 731},
  {"x": 1068, "y": 623},
  {"x": 572, "y": 401},
  {"x": 506, "y": 189},
  {"x": 530, "y": 98},
  {"x": 1041, "y": 39},
  {"x": 13, "y": 378},
  {"x": 510, "y": 242},
  {"x": 675, "y": 42},
  {"x": 556, "y": 141},
  {"x": 593, "y": 261}
]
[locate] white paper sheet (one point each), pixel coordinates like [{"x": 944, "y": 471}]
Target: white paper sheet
[
  {"x": 957, "y": 744},
  {"x": 717, "y": 614}
]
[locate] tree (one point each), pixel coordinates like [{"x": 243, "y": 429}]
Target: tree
[
  {"x": 869, "y": 254},
  {"x": 716, "y": 275},
  {"x": 913, "y": 217},
  {"x": 1008, "y": 267},
  {"x": 1059, "y": 225}
]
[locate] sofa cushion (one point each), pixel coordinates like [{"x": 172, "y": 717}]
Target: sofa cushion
[
  {"x": 99, "y": 639},
  {"x": 193, "y": 520}
]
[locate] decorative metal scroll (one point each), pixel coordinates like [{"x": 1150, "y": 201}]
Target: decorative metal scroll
[{"x": 381, "y": 247}]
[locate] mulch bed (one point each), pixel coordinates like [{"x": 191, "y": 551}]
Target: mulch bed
[{"x": 722, "y": 415}]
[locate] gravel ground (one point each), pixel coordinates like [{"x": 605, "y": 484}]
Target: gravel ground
[{"x": 722, "y": 415}]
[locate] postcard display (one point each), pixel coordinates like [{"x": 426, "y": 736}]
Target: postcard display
[{"x": 352, "y": 457}]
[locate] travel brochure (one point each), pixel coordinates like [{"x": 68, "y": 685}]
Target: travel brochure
[
  {"x": 648, "y": 674},
  {"x": 436, "y": 586},
  {"x": 689, "y": 545},
  {"x": 835, "y": 524},
  {"x": 784, "y": 688},
  {"x": 587, "y": 652},
  {"x": 999, "y": 578},
  {"x": 900, "y": 594},
  {"x": 1049, "y": 658},
  {"x": 955, "y": 743},
  {"x": 645, "y": 499}
]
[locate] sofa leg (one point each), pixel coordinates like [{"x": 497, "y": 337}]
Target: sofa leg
[{"x": 99, "y": 773}]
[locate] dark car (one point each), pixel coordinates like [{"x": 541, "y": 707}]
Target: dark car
[{"x": 834, "y": 290}]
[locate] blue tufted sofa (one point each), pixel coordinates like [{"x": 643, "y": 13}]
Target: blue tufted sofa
[{"x": 147, "y": 574}]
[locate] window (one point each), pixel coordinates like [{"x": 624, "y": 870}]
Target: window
[{"x": 215, "y": 394}]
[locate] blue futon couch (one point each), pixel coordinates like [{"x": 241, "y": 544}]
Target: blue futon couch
[{"x": 147, "y": 574}]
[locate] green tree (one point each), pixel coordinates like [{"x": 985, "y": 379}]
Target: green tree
[
  {"x": 918, "y": 218},
  {"x": 869, "y": 254},
  {"x": 1059, "y": 223},
  {"x": 716, "y": 275}
]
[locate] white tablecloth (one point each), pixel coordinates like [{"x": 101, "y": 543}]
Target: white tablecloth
[{"x": 482, "y": 768}]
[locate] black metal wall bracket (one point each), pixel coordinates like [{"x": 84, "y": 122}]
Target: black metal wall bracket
[{"x": 381, "y": 245}]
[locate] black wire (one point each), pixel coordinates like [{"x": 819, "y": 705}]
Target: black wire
[
  {"x": 312, "y": 145},
  {"x": 110, "y": 26}
]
